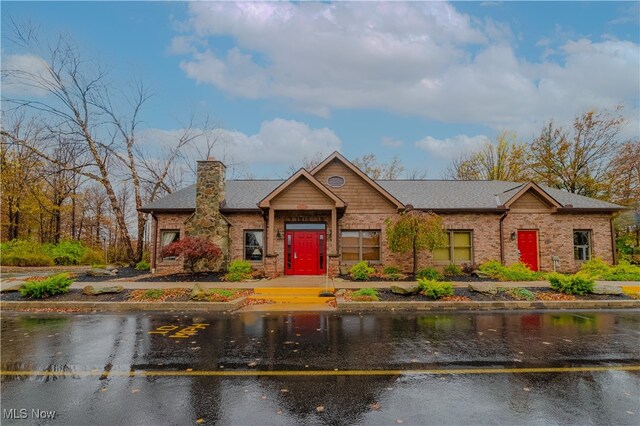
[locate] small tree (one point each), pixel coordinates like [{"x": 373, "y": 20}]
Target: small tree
[
  {"x": 415, "y": 230},
  {"x": 192, "y": 250}
]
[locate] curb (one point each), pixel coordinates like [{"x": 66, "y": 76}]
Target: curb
[
  {"x": 342, "y": 305},
  {"x": 128, "y": 306}
]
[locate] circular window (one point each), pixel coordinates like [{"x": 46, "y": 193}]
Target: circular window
[{"x": 335, "y": 181}]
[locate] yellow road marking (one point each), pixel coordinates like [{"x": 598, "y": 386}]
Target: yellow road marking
[{"x": 253, "y": 373}]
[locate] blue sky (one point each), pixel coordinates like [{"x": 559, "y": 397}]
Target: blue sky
[{"x": 422, "y": 81}]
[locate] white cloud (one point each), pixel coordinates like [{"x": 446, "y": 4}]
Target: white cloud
[
  {"x": 23, "y": 75},
  {"x": 423, "y": 58},
  {"x": 451, "y": 148},
  {"x": 391, "y": 142},
  {"x": 278, "y": 142}
]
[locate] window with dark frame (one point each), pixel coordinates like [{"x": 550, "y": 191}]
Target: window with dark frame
[
  {"x": 360, "y": 245},
  {"x": 581, "y": 244},
  {"x": 458, "y": 250},
  {"x": 253, "y": 245},
  {"x": 168, "y": 236}
]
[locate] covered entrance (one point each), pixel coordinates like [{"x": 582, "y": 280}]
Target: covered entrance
[{"x": 305, "y": 249}]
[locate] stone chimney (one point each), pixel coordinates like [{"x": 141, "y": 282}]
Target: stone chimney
[{"x": 207, "y": 222}]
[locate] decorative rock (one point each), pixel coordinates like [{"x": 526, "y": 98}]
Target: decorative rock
[
  {"x": 405, "y": 289},
  {"x": 96, "y": 290},
  {"x": 480, "y": 274},
  {"x": 12, "y": 287},
  {"x": 606, "y": 289},
  {"x": 99, "y": 272},
  {"x": 484, "y": 288},
  {"x": 198, "y": 293}
]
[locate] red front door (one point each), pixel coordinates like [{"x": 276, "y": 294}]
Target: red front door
[
  {"x": 528, "y": 247},
  {"x": 304, "y": 252}
]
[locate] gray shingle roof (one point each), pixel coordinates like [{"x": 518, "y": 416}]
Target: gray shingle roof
[{"x": 422, "y": 194}]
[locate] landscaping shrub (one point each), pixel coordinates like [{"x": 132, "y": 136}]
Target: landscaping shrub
[
  {"x": 92, "y": 256},
  {"x": 429, "y": 274},
  {"x": 192, "y": 250},
  {"x": 365, "y": 294},
  {"x": 579, "y": 283},
  {"x": 143, "y": 265},
  {"x": 596, "y": 268},
  {"x": 515, "y": 272},
  {"x": 391, "y": 270},
  {"x": 26, "y": 259},
  {"x": 153, "y": 294},
  {"x": 361, "y": 271},
  {"x": 66, "y": 252},
  {"x": 522, "y": 293},
  {"x": 452, "y": 269},
  {"x": 55, "y": 284},
  {"x": 239, "y": 270},
  {"x": 23, "y": 253},
  {"x": 435, "y": 289}
]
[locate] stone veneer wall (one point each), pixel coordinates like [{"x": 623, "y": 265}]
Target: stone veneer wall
[{"x": 208, "y": 222}]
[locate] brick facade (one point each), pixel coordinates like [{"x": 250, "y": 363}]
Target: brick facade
[
  {"x": 360, "y": 204},
  {"x": 555, "y": 237},
  {"x": 168, "y": 222}
]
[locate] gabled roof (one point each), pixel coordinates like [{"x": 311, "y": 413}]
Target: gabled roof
[
  {"x": 301, "y": 174},
  {"x": 477, "y": 195},
  {"x": 337, "y": 156},
  {"x": 422, "y": 194},
  {"x": 533, "y": 187}
]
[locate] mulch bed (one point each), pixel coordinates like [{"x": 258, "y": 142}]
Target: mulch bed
[
  {"x": 460, "y": 278},
  {"x": 208, "y": 277},
  {"x": 126, "y": 272},
  {"x": 386, "y": 295},
  {"x": 128, "y": 295}
]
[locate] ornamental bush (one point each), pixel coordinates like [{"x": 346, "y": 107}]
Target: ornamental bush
[
  {"x": 143, "y": 265},
  {"x": 452, "y": 269},
  {"x": 516, "y": 272},
  {"x": 579, "y": 283},
  {"x": 435, "y": 289},
  {"x": 365, "y": 295},
  {"x": 429, "y": 274},
  {"x": 23, "y": 253},
  {"x": 193, "y": 250},
  {"x": 55, "y": 284},
  {"x": 598, "y": 269},
  {"x": 66, "y": 252},
  {"x": 239, "y": 270},
  {"x": 361, "y": 271}
]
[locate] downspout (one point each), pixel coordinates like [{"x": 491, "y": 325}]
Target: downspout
[
  {"x": 613, "y": 242},
  {"x": 155, "y": 242},
  {"x": 504, "y": 215}
]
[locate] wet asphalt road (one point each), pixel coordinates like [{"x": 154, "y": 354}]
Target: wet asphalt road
[{"x": 329, "y": 368}]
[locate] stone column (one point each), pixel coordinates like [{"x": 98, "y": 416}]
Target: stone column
[{"x": 208, "y": 222}]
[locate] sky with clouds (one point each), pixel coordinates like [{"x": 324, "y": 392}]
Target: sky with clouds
[{"x": 424, "y": 81}]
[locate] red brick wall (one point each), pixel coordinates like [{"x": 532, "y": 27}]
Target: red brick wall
[
  {"x": 170, "y": 221},
  {"x": 555, "y": 237},
  {"x": 239, "y": 223}
]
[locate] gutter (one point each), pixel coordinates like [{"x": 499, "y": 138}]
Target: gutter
[
  {"x": 504, "y": 215},
  {"x": 613, "y": 242}
]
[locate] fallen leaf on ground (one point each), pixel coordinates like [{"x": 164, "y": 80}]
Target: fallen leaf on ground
[
  {"x": 320, "y": 408},
  {"x": 376, "y": 406}
]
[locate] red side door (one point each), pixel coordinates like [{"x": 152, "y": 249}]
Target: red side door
[{"x": 528, "y": 247}]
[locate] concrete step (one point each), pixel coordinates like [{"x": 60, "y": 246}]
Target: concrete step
[
  {"x": 290, "y": 291},
  {"x": 291, "y": 298}
]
